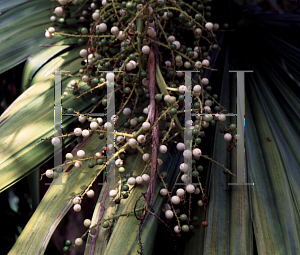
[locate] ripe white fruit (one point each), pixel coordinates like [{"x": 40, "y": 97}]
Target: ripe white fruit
[
  {"x": 85, "y": 133},
  {"x": 49, "y": 173},
  {"x": 177, "y": 229},
  {"x": 110, "y": 77},
  {"x": 204, "y": 81},
  {"x": 94, "y": 125},
  {"x": 184, "y": 178},
  {"x": 180, "y": 146},
  {"x": 163, "y": 192},
  {"x": 146, "y": 49},
  {"x": 146, "y": 177},
  {"x": 55, "y": 141},
  {"x": 87, "y": 223},
  {"x": 96, "y": 16},
  {"x": 141, "y": 139},
  {"x": 112, "y": 193},
  {"x": 175, "y": 200},
  {"x": 102, "y": 27},
  {"x": 182, "y": 89},
  {"x": 163, "y": 149},
  {"x": 145, "y": 82},
  {"x": 77, "y": 208},
  {"x": 63, "y": 2},
  {"x": 119, "y": 162},
  {"x": 78, "y": 241},
  {"x": 52, "y": 18},
  {"x": 80, "y": 154},
  {"x": 100, "y": 121},
  {"x": 227, "y": 137},
  {"x": 197, "y": 152},
  {"x": 90, "y": 193},
  {"x": 180, "y": 192},
  {"x": 169, "y": 214},
  {"x": 114, "y": 30},
  {"x": 205, "y": 62},
  {"x": 131, "y": 181},
  {"x": 221, "y": 117},
  {"x": 197, "y": 88},
  {"x": 159, "y": 162},
  {"x": 139, "y": 180},
  {"x": 184, "y": 167},
  {"x": 78, "y": 164},
  {"x": 58, "y": 11},
  {"x": 187, "y": 154},
  {"x": 209, "y": 26},
  {"x": 190, "y": 188},
  {"x": 78, "y": 131},
  {"x": 108, "y": 126},
  {"x": 146, "y": 156},
  {"x": 200, "y": 203},
  {"x": 146, "y": 126},
  {"x": 81, "y": 119},
  {"x": 126, "y": 111},
  {"x": 69, "y": 156}
]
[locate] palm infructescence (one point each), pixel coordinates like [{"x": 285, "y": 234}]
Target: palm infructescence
[{"x": 259, "y": 219}]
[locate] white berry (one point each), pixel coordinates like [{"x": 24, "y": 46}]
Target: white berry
[
  {"x": 187, "y": 154},
  {"x": 87, "y": 223},
  {"x": 163, "y": 149},
  {"x": 227, "y": 137},
  {"x": 49, "y": 173},
  {"x": 163, "y": 192},
  {"x": 77, "y": 208},
  {"x": 180, "y": 192},
  {"x": 69, "y": 156},
  {"x": 78, "y": 131},
  {"x": 190, "y": 188},
  {"x": 139, "y": 180},
  {"x": 169, "y": 214},
  {"x": 180, "y": 146},
  {"x": 197, "y": 152},
  {"x": 112, "y": 193},
  {"x": 55, "y": 141},
  {"x": 78, "y": 241},
  {"x": 146, "y": 126},
  {"x": 184, "y": 167},
  {"x": 131, "y": 181},
  {"x": 90, "y": 193},
  {"x": 146, "y": 177},
  {"x": 85, "y": 133},
  {"x": 80, "y": 154},
  {"x": 200, "y": 203},
  {"x": 175, "y": 200},
  {"x": 78, "y": 164}
]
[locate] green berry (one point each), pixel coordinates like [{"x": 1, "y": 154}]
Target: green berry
[
  {"x": 141, "y": 119},
  {"x": 132, "y": 57},
  {"x": 169, "y": 15},
  {"x": 104, "y": 102},
  {"x": 84, "y": 31},
  {"x": 185, "y": 228},
  {"x": 195, "y": 173},
  {"x": 94, "y": 100},
  {"x": 70, "y": 110},
  {"x": 158, "y": 97},
  {"x": 100, "y": 161},
  {"x": 101, "y": 136},
  {"x": 200, "y": 168},
  {"x": 183, "y": 217},
  {"x": 212, "y": 122},
  {"x": 125, "y": 195},
  {"x": 181, "y": 98},
  {"x": 173, "y": 111},
  {"x": 68, "y": 242},
  {"x": 195, "y": 132},
  {"x": 105, "y": 224},
  {"x": 196, "y": 105},
  {"x": 127, "y": 90},
  {"x": 198, "y": 16},
  {"x": 125, "y": 187},
  {"x": 91, "y": 165},
  {"x": 121, "y": 169},
  {"x": 129, "y": 5},
  {"x": 66, "y": 248},
  {"x": 232, "y": 126}
]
